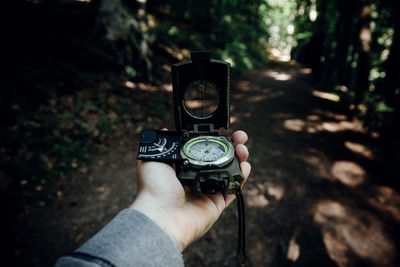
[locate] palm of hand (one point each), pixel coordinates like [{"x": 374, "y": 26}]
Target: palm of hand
[
  {"x": 183, "y": 216},
  {"x": 199, "y": 213}
]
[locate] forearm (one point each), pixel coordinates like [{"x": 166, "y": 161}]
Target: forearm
[{"x": 130, "y": 239}]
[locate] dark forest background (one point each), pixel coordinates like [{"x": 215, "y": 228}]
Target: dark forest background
[{"x": 69, "y": 67}]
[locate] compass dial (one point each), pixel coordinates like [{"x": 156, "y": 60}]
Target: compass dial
[{"x": 208, "y": 150}]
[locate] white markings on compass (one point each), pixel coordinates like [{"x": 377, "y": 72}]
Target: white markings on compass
[
  {"x": 159, "y": 149},
  {"x": 160, "y": 144},
  {"x": 207, "y": 151}
]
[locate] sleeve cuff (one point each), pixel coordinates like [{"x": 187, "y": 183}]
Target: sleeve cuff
[{"x": 132, "y": 239}]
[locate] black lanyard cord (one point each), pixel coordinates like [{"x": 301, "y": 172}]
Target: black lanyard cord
[{"x": 241, "y": 229}]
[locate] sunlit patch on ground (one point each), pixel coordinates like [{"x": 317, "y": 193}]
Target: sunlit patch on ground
[
  {"x": 314, "y": 123},
  {"x": 276, "y": 191},
  {"x": 256, "y": 98},
  {"x": 148, "y": 87},
  {"x": 166, "y": 67},
  {"x": 349, "y": 231},
  {"x": 306, "y": 71},
  {"x": 334, "y": 127},
  {"x": 313, "y": 117},
  {"x": 233, "y": 120},
  {"x": 325, "y": 95},
  {"x": 279, "y": 76},
  {"x": 296, "y": 125},
  {"x": 255, "y": 198},
  {"x": 282, "y": 55},
  {"x": 247, "y": 91},
  {"x": 244, "y": 85},
  {"x": 293, "y": 252},
  {"x": 330, "y": 114},
  {"x": 319, "y": 164},
  {"x": 387, "y": 200},
  {"x": 359, "y": 149},
  {"x": 247, "y": 86},
  {"x": 178, "y": 54},
  {"x": 349, "y": 173},
  {"x": 263, "y": 193},
  {"x": 130, "y": 84},
  {"x": 167, "y": 87},
  {"x": 141, "y": 86},
  {"x": 257, "y": 253}
]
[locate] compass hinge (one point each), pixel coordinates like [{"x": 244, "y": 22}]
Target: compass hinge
[{"x": 204, "y": 128}]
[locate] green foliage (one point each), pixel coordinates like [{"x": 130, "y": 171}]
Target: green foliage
[
  {"x": 64, "y": 99},
  {"x": 331, "y": 45},
  {"x": 379, "y": 115},
  {"x": 64, "y": 134},
  {"x": 131, "y": 72},
  {"x": 233, "y": 30}
]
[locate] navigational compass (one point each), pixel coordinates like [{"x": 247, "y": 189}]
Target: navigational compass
[{"x": 203, "y": 159}]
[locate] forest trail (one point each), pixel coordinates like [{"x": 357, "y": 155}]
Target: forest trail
[{"x": 315, "y": 196}]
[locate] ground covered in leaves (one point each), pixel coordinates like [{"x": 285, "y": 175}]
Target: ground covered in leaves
[{"x": 320, "y": 191}]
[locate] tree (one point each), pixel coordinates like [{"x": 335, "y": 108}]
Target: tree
[
  {"x": 391, "y": 84},
  {"x": 344, "y": 36},
  {"x": 392, "y": 79},
  {"x": 363, "y": 45},
  {"x": 123, "y": 33}
]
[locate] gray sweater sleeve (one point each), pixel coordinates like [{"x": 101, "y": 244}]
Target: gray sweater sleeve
[{"x": 130, "y": 239}]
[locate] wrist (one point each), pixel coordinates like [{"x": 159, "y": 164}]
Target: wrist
[{"x": 161, "y": 216}]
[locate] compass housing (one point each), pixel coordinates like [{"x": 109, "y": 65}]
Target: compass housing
[
  {"x": 201, "y": 91},
  {"x": 227, "y": 156},
  {"x": 210, "y": 74}
]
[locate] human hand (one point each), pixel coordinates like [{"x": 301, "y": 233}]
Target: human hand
[{"x": 183, "y": 216}]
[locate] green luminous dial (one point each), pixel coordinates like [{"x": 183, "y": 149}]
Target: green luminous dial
[{"x": 208, "y": 150}]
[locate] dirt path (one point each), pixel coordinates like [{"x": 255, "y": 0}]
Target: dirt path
[{"x": 316, "y": 195}]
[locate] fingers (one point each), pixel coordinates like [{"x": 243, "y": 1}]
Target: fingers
[
  {"x": 239, "y": 137},
  {"x": 241, "y": 152},
  {"x": 246, "y": 169}
]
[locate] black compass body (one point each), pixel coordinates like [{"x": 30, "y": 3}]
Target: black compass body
[{"x": 159, "y": 146}]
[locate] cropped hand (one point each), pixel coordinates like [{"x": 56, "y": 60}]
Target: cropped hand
[{"x": 183, "y": 216}]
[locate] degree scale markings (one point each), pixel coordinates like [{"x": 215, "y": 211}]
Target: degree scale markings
[
  {"x": 173, "y": 147},
  {"x": 206, "y": 150},
  {"x": 162, "y": 148}
]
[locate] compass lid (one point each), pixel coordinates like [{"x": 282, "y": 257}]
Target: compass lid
[{"x": 201, "y": 89}]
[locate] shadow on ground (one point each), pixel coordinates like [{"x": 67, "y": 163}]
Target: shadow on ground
[{"x": 317, "y": 195}]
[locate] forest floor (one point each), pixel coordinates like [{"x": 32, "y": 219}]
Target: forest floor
[{"x": 317, "y": 195}]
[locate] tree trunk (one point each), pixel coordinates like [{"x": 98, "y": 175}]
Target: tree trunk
[
  {"x": 364, "y": 43},
  {"x": 344, "y": 31},
  {"x": 317, "y": 51},
  {"x": 391, "y": 84},
  {"x": 122, "y": 31},
  {"x": 392, "y": 80},
  {"x": 200, "y": 15}
]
